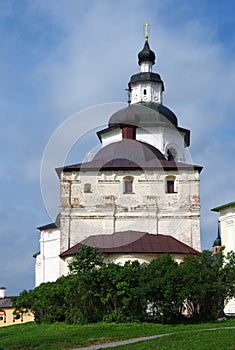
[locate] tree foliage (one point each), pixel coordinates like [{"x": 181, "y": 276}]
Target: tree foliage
[
  {"x": 94, "y": 291},
  {"x": 85, "y": 260}
]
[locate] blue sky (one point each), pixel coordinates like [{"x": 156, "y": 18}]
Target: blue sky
[{"x": 58, "y": 57}]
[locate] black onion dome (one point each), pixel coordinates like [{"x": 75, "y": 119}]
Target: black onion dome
[
  {"x": 131, "y": 150},
  {"x": 217, "y": 242},
  {"x": 144, "y": 114},
  {"x": 146, "y": 54}
]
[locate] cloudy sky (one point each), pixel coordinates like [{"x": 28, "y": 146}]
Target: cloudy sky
[{"x": 59, "y": 57}]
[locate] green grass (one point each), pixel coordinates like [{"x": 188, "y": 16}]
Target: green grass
[
  {"x": 198, "y": 340},
  {"x": 60, "y": 336}
]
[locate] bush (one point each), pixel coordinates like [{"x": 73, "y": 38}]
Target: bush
[{"x": 96, "y": 292}]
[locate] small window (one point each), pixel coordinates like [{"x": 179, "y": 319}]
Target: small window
[
  {"x": 170, "y": 184},
  {"x": 128, "y": 184},
  {"x": 87, "y": 188},
  {"x": 145, "y": 92}
]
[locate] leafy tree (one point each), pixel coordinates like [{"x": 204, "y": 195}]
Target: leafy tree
[
  {"x": 94, "y": 291},
  {"x": 87, "y": 258},
  {"x": 162, "y": 288},
  {"x": 121, "y": 292},
  {"x": 208, "y": 280},
  {"x": 46, "y": 301}
]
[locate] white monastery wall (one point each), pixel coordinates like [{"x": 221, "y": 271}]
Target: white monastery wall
[
  {"x": 106, "y": 209},
  {"x": 227, "y": 219},
  {"x": 48, "y": 261}
]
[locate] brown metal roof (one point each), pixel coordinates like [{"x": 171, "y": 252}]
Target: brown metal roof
[
  {"x": 133, "y": 242},
  {"x": 125, "y": 164},
  {"x": 130, "y": 149},
  {"x": 129, "y": 155}
]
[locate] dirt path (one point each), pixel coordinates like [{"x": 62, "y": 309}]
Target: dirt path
[{"x": 136, "y": 340}]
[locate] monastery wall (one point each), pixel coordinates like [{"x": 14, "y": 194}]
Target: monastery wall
[{"x": 106, "y": 208}]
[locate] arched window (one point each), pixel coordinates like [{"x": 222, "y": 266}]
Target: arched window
[
  {"x": 171, "y": 154},
  {"x": 128, "y": 184},
  {"x": 170, "y": 184},
  {"x": 145, "y": 92},
  {"x": 87, "y": 188}
]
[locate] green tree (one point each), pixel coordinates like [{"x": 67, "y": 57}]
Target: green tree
[
  {"x": 46, "y": 301},
  {"x": 95, "y": 291},
  {"x": 161, "y": 285},
  {"x": 87, "y": 258},
  {"x": 121, "y": 292},
  {"x": 208, "y": 280}
]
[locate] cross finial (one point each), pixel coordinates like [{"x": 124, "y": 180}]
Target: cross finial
[{"x": 146, "y": 25}]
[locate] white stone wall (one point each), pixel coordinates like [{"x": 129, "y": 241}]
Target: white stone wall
[
  {"x": 149, "y": 208},
  {"x": 48, "y": 261},
  {"x": 123, "y": 258},
  {"x": 227, "y": 220}
]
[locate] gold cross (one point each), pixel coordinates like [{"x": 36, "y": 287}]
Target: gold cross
[{"x": 146, "y": 25}]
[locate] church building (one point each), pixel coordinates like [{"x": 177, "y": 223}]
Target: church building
[
  {"x": 138, "y": 198},
  {"x": 226, "y": 239},
  {"x": 226, "y": 229}
]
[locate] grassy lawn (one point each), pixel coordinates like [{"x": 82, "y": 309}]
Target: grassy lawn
[
  {"x": 198, "y": 340},
  {"x": 61, "y": 336}
]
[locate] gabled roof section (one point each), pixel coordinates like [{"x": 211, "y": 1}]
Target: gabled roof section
[{"x": 133, "y": 242}]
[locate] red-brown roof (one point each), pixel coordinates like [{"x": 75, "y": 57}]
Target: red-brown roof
[
  {"x": 129, "y": 155},
  {"x": 125, "y": 164},
  {"x": 133, "y": 242}
]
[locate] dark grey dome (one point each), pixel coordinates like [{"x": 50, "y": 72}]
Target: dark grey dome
[
  {"x": 131, "y": 150},
  {"x": 217, "y": 242},
  {"x": 144, "y": 114},
  {"x": 146, "y": 54}
]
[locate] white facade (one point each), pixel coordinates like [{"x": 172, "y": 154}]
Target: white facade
[
  {"x": 227, "y": 225},
  {"x": 227, "y": 231},
  {"x": 146, "y": 92},
  {"x": 48, "y": 261},
  {"x": 107, "y": 209}
]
